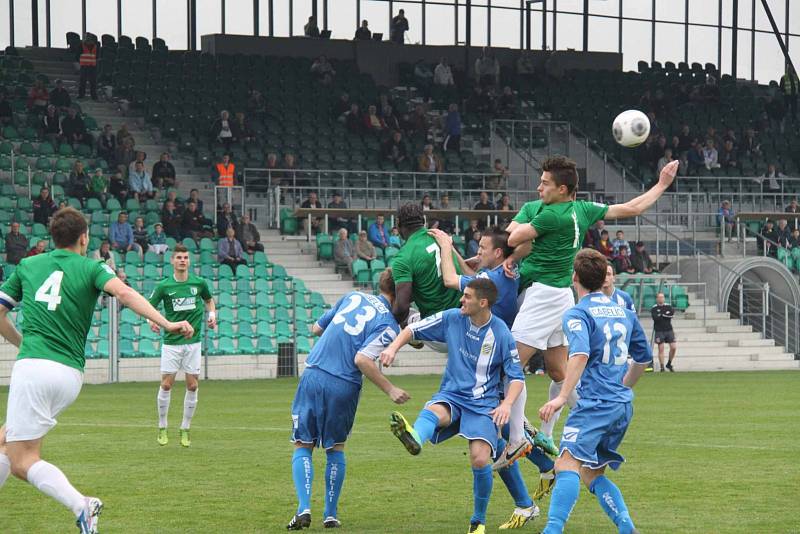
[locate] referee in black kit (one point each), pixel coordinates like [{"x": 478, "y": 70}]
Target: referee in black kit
[{"x": 662, "y": 322}]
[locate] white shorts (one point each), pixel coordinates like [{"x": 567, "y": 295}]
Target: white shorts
[
  {"x": 184, "y": 358},
  {"x": 39, "y": 391},
  {"x": 436, "y": 346},
  {"x": 538, "y": 321}
]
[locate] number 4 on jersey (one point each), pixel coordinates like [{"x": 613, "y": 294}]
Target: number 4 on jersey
[{"x": 50, "y": 290}]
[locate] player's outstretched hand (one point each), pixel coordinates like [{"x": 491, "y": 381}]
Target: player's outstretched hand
[
  {"x": 668, "y": 173},
  {"x": 387, "y": 357},
  {"x": 181, "y": 327},
  {"x": 398, "y": 396},
  {"x": 442, "y": 238},
  {"x": 546, "y": 412},
  {"x": 510, "y": 267},
  {"x": 154, "y": 327},
  {"x": 501, "y": 414}
]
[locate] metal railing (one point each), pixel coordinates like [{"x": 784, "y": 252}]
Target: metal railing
[{"x": 519, "y": 136}]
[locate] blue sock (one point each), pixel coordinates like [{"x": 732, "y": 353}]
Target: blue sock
[
  {"x": 610, "y": 499},
  {"x": 425, "y": 425},
  {"x": 565, "y": 495},
  {"x": 512, "y": 478},
  {"x": 303, "y": 476},
  {"x": 334, "y": 478},
  {"x": 482, "y": 481},
  {"x": 541, "y": 460}
]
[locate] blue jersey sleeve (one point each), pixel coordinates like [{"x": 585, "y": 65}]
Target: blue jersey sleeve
[
  {"x": 433, "y": 328},
  {"x": 639, "y": 348},
  {"x": 511, "y": 363},
  {"x": 328, "y": 316},
  {"x": 379, "y": 339},
  {"x": 576, "y": 328},
  {"x": 463, "y": 280}
]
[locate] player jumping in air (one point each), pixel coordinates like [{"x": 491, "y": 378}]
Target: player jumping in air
[
  {"x": 58, "y": 292},
  {"x": 353, "y": 334},
  {"x": 467, "y": 404},
  {"x": 547, "y": 234},
  {"x": 184, "y": 296},
  {"x": 601, "y": 335}
]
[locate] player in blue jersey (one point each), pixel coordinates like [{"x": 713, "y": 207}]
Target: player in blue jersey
[
  {"x": 468, "y": 402},
  {"x": 617, "y": 296},
  {"x": 601, "y": 336},
  {"x": 353, "y": 334}
]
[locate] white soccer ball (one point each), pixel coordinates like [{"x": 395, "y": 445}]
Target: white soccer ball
[{"x": 631, "y": 128}]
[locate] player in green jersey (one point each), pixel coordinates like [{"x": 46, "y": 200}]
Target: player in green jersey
[
  {"x": 547, "y": 235},
  {"x": 58, "y": 292},
  {"x": 184, "y": 296}
]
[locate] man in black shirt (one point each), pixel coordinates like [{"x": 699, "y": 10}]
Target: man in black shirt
[
  {"x": 662, "y": 314},
  {"x": 363, "y": 33},
  {"x": 316, "y": 222}
]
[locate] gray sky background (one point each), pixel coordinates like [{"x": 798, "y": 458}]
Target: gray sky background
[{"x": 603, "y": 33}]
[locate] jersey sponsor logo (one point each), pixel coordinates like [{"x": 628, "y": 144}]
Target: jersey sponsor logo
[
  {"x": 607, "y": 311},
  {"x": 376, "y": 302},
  {"x": 570, "y": 434},
  {"x": 574, "y": 325},
  {"x": 183, "y": 304}
]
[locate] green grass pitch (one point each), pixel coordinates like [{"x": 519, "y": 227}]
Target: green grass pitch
[{"x": 707, "y": 453}]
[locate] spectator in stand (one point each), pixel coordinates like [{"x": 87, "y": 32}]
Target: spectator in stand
[
  {"x": 444, "y": 222},
  {"x": 505, "y": 205},
  {"x": 783, "y": 233},
  {"x": 105, "y": 255},
  {"x": 442, "y": 74},
  {"x": 484, "y": 203},
  {"x": 429, "y": 162},
  {"x": 665, "y": 159},
  {"x": 771, "y": 178},
  {"x": 487, "y": 69},
  {"x": 695, "y": 157},
  {"x": 377, "y": 233},
  {"x": 226, "y": 218},
  {"x": 38, "y": 97},
  {"x": 139, "y": 183},
  {"x": 420, "y": 124},
  {"x": 423, "y": 77},
  {"x": 123, "y": 134},
  {"x": 793, "y": 207},
  {"x": 394, "y": 238},
  {"x": 316, "y": 222},
  {"x": 323, "y": 70},
  {"x": 388, "y": 116},
  {"x": 499, "y": 179},
  {"x": 656, "y": 151},
  {"x": 471, "y": 230},
  {"x": 43, "y": 206},
  {"x": 479, "y": 101},
  {"x": 140, "y": 234},
  {"x": 620, "y": 241},
  {"x": 125, "y": 155},
  {"x": 776, "y": 112},
  {"x": 472, "y": 244},
  {"x": 271, "y": 162},
  {"x": 289, "y": 164},
  {"x": 243, "y": 126},
  {"x": 452, "y": 129},
  {"x": 343, "y": 253},
  {"x": 172, "y": 219},
  {"x": 223, "y": 131},
  {"x": 794, "y": 239},
  {"x": 194, "y": 224},
  {"x": 364, "y": 249},
  {"x": 727, "y": 157},
  {"x": 399, "y": 27},
  {"x": 605, "y": 246},
  {"x": 158, "y": 240},
  {"x": 37, "y": 249},
  {"x": 311, "y": 29},
  {"x": 685, "y": 138},
  {"x": 640, "y": 259},
  {"x": 50, "y": 126},
  {"x": 354, "y": 120},
  {"x": 73, "y": 129},
  {"x": 98, "y": 186},
  {"x": 768, "y": 239},
  {"x": 373, "y": 123},
  {"x": 248, "y": 235},
  {"x": 394, "y": 149},
  {"x": 362, "y": 32},
  {"x": 59, "y": 96},
  {"x": 194, "y": 196},
  {"x": 107, "y": 145},
  {"x": 507, "y": 103},
  {"x": 710, "y": 155},
  {"x": 256, "y": 103},
  {"x": 426, "y": 203},
  {"x": 790, "y": 86},
  {"x": 750, "y": 147},
  {"x": 592, "y": 239},
  {"x": 16, "y": 245},
  {"x": 172, "y": 196},
  {"x": 342, "y": 107},
  {"x": 139, "y": 157},
  {"x": 339, "y": 204},
  {"x": 120, "y": 234},
  {"x": 78, "y": 182},
  {"x": 164, "y": 172},
  {"x": 726, "y": 218},
  {"x": 229, "y": 251},
  {"x": 622, "y": 261},
  {"x": 6, "y": 113},
  {"x": 223, "y": 173},
  {"x": 88, "y": 65},
  {"x": 118, "y": 188}
]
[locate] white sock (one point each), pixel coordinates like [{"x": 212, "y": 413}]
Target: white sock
[
  {"x": 573, "y": 398},
  {"x": 49, "y": 479},
  {"x": 189, "y": 405},
  {"x": 5, "y": 469},
  {"x": 162, "y": 400},
  {"x": 516, "y": 431},
  {"x": 547, "y": 426}
]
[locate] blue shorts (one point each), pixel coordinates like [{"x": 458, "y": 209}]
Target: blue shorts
[
  {"x": 467, "y": 420},
  {"x": 594, "y": 431},
  {"x": 323, "y": 409}
]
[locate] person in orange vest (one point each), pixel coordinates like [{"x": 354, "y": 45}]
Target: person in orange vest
[
  {"x": 88, "y": 62},
  {"x": 223, "y": 173}
]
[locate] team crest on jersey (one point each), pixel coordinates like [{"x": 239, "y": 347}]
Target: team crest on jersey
[
  {"x": 486, "y": 348},
  {"x": 194, "y": 290}
]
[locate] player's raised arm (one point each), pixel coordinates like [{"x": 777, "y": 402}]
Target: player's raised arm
[
  {"x": 639, "y": 350},
  {"x": 523, "y": 233},
  {"x": 642, "y": 203},
  {"x": 136, "y": 302},
  {"x": 388, "y": 354},
  {"x": 449, "y": 275}
]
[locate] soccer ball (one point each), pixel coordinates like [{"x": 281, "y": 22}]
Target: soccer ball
[{"x": 631, "y": 128}]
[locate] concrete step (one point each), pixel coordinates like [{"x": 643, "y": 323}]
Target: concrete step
[
  {"x": 314, "y": 275},
  {"x": 724, "y": 365},
  {"x": 684, "y": 336},
  {"x": 685, "y": 323},
  {"x": 754, "y": 341},
  {"x": 687, "y": 351},
  {"x": 691, "y": 315}
]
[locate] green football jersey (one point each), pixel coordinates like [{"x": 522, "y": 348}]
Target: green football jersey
[
  {"x": 183, "y": 301},
  {"x": 560, "y": 228},
  {"x": 419, "y": 262},
  {"x": 58, "y": 291}
]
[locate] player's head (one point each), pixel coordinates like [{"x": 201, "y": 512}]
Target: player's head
[
  {"x": 180, "y": 258},
  {"x": 386, "y": 284},
  {"x": 559, "y": 180},
  {"x": 591, "y": 268},
  {"x": 69, "y": 230},
  {"x": 608, "y": 285},
  {"x": 493, "y": 248},
  {"x": 660, "y": 298},
  {"x": 479, "y": 296},
  {"x": 410, "y": 218}
]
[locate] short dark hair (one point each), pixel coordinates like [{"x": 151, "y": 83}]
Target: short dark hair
[
  {"x": 563, "y": 170},
  {"x": 410, "y": 216},
  {"x": 499, "y": 240},
  {"x": 485, "y": 289},
  {"x": 67, "y": 226},
  {"x": 590, "y": 268},
  {"x": 386, "y": 282},
  {"x": 180, "y": 247}
]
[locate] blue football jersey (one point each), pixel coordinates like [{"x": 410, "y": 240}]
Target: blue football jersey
[
  {"x": 622, "y": 298},
  {"x": 608, "y": 334},
  {"x": 507, "y": 288},
  {"x": 476, "y": 355},
  {"x": 358, "y": 323}
]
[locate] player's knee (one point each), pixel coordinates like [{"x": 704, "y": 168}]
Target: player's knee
[
  {"x": 192, "y": 386},
  {"x": 480, "y": 457},
  {"x": 556, "y": 375},
  {"x": 166, "y": 385}
]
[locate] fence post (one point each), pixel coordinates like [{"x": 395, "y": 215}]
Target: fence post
[
  {"x": 741, "y": 301},
  {"x": 113, "y": 339},
  {"x": 786, "y": 324}
]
